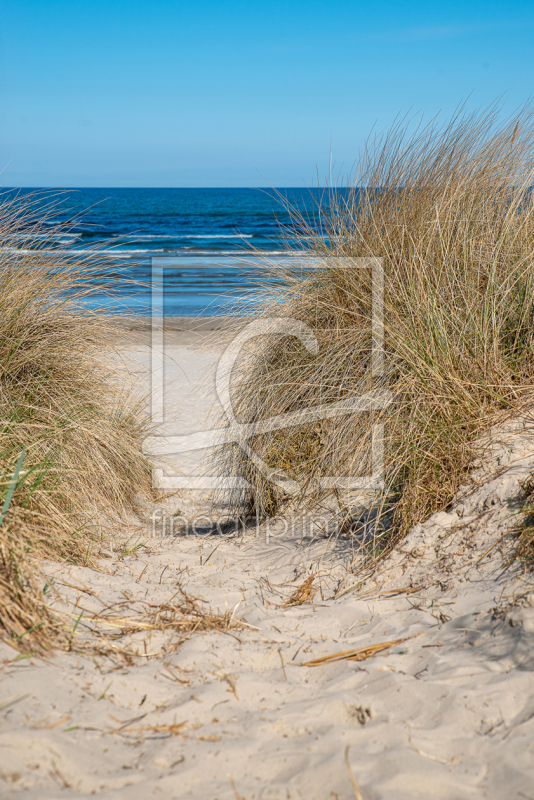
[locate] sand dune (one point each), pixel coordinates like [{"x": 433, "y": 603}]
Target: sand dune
[{"x": 448, "y": 712}]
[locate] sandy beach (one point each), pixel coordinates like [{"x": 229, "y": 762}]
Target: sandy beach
[
  {"x": 432, "y": 697},
  {"x": 267, "y": 401}
]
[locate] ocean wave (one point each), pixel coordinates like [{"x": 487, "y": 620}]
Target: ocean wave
[
  {"x": 66, "y": 237},
  {"x": 185, "y": 253},
  {"x": 45, "y": 237},
  {"x": 22, "y": 251},
  {"x": 189, "y": 252},
  {"x": 149, "y": 236}
]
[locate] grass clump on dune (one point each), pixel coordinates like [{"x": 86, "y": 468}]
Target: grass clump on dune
[
  {"x": 449, "y": 209},
  {"x": 70, "y": 439}
]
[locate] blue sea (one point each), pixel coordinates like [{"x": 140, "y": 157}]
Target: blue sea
[{"x": 204, "y": 241}]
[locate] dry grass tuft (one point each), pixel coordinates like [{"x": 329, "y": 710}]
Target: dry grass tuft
[
  {"x": 25, "y": 621},
  {"x": 103, "y": 632},
  {"x": 180, "y": 614},
  {"x": 62, "y": 414},
  {"x": 450, "y": 210}
]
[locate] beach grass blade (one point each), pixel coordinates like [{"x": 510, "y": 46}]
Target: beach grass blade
[{"x": 12, "y": 486}]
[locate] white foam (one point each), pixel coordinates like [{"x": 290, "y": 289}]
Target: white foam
[{"x": 149, "y": 237}]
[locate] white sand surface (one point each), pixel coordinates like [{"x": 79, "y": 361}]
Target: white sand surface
[{"x": 446, "y": 713}]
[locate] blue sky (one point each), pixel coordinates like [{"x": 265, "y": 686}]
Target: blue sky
[{"x": 207, "y": 93}]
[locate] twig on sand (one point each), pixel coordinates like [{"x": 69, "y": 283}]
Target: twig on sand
[
  {"x": 282, "y": 662},
  {"x": 351, "y": 775},
  {"x": 125, "y": 723},
  {"x": 74, "y": 586},
  {"x": 175, "y": 676},
  {"x": 233, "y": 687},
  {"x": 11, "y": 701},
  {"x": 172, "y": 729},
  {"x": 495, "y": 543},
  {"x": 381, "y": 592},
  {"x": 358, "y": 654},
  {"x": 141, "y": 573},
  {"x": 234, "y": 787}
]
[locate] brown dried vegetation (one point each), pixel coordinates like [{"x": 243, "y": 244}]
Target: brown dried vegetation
[
  {"x": 449, "y": 209},
  {"x": 61, "y": 409}
]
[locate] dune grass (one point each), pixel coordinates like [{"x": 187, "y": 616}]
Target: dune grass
[
  {"x": 71, "y": 465},
  {"x": 449, "y": 209},
  {"x": 524, "y": 532}
]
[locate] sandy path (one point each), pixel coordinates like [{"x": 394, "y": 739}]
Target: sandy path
[{"x": 447, "y": 713}]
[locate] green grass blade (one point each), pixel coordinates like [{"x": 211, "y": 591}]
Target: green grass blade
[{"x": 13, "y": 485}]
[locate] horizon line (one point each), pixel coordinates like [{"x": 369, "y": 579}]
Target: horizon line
[{"x": 252, "y": 188}]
